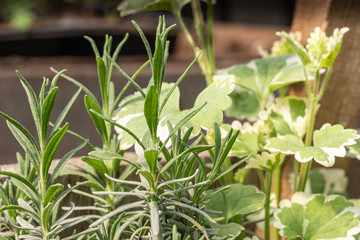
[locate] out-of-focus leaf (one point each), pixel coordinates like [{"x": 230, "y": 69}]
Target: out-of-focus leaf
[{"x": 263, "y": 76}]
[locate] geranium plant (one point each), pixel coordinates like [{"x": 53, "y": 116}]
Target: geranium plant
[{"x": 183, "y": 154}]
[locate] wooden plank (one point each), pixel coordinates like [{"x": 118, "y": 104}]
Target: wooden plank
[
  {"x": 341, "y": 100},
  {"x": 309, "y": 14}
]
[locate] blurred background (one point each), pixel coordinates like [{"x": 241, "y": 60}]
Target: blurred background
[{"x": 38, "y": 34}]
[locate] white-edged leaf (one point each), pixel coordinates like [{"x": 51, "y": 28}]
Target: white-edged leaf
[
  {"x": 312, "y": 217},
  {"x": 329, "y": 143},
  {"x": 215, "y": 96},
  {"x": 263, "y": 76},
  {"x": 334, "y": 137}
]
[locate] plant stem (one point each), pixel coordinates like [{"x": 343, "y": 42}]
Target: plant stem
[
  {"x": 296, "y": 172},
  {"x": 326, "y": 80},
  {"x": 210, "y": 37},
  {"x": 191, "y": 41},
  {"x": 277, "y": 191},
  {"x": 267, "y": 204},
  {"x": 203, "y": 41},
  {"x": 262, "y": 180},
  {"x": 305, "y": 167},
  {"x": 155, "y": 221}
]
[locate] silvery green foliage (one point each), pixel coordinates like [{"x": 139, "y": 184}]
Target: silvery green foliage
[
  {"x": 329, "y": 142},
  {"x": 215, "y": 96},
  {"x": 170, "y": 193},
  {"x": 106, "y": 159},
  {"x": 317, "y": 217},
  {"x": 39, "y": 196}
]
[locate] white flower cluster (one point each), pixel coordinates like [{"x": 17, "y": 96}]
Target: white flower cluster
[{"x": 321, "y": 46}]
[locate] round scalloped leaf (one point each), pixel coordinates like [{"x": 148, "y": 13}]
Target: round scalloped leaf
[
  {"x": 263, "y": 76},
  {"x": 329, "y": 143},
  {"x": 226, "y": 231},
  {"x": 334, "y": 136},
  {"x": 131, "y": 114},
  {"x": 245, "y": 105},
  {"x": 237, "y": 199},
  {"x": 312, "y": 217}
]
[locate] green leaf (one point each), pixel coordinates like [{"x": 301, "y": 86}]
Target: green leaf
[
  {"x": 33, "y": 102},
  {"x": 317, "y": 181},
  {"x": 263, "y": 76},
  {"x": 96, "y": 164},
  {"x": 46, "y": 112},
  {"x": 151, "y": 106},
  {"x": 51, "y": 192},
  {"x": 193, "y": 149},
  {"x": 328, "y": 181},
  {"x": 25, "y": 139},
  {"x": 63, "y": 113},
  {"x": 107, "y": 155},
  {"x": 245, "y": 105},
  {"x": 51, "y": 148},
  {"x": 104, "y": 88},
  {"x": 245, "y": 144},
  {"x": 329, "y": 143},
  {"x": 226, "y": 231},
  {"x": 334, "y": 137},
  {"x": 128, "y": 7},
  {"x": 151, "y": 157},
  {"x": 334, "y": 47},
  {"x": 288, "y": 115},
  {"x": 265, "y": 161},
  {"x": 297, "y": 107},
  {"x": 279, "y": 123},
  {"x": 98, "y": 122},
  {"x": 217, "y": 99},
  {"x": 354, "y": 150},
  {"x": 312, "y": 217},
  {"x": 237, "y": 199},
  {"x": 296, "y": 46},
  {"x": 214, "y": 97},
  {"x": 23, "y": 183},
  {"x": 61, "y": 164}
]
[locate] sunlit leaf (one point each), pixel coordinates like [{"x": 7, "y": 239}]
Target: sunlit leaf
[{"x": 263, "y": 76}]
